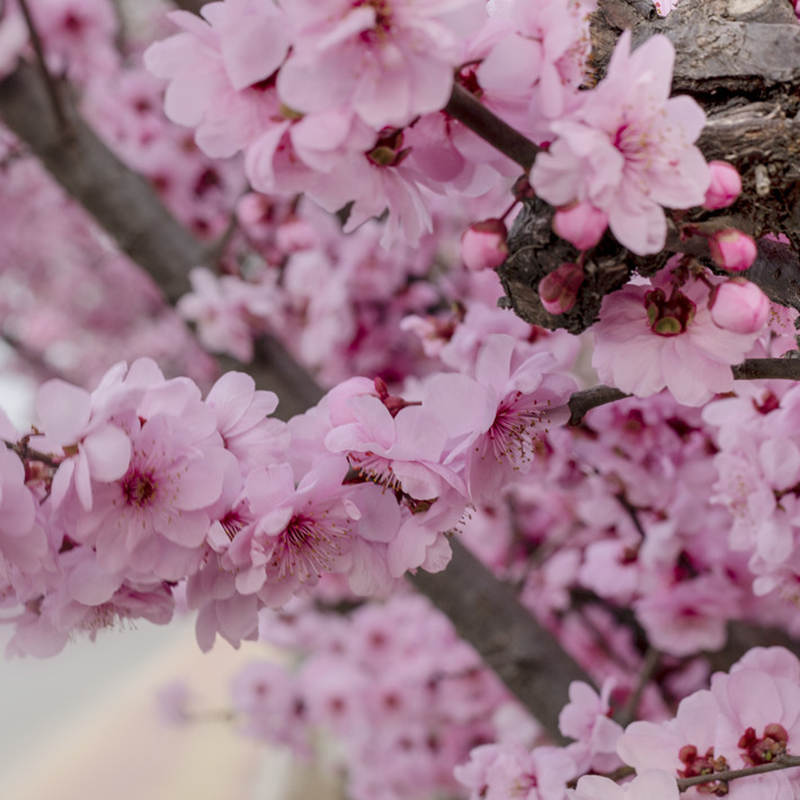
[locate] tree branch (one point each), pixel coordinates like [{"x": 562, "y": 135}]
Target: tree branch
[
  {"x": 488, "y": 614},
  {"x": 471, "y": 113},
  {"x": 127, "y": 207}
]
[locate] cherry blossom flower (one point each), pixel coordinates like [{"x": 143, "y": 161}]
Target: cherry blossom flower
[
  {"x": 656, "y": 336},
  {"x": 628, "y": 149},
  {"x": 391, "y": 60}
]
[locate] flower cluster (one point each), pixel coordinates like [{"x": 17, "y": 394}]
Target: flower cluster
[{"x": 142, "y": 484}]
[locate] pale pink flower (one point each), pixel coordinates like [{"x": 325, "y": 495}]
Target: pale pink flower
[
  {"x": 628, "y": 149},
  {"x": 498, "y": 419},
  {"x": 649, "y": 785},
  {"x": 680, "y": 348},
  {"x": 95, "y": 448},
  {"x": 213, "y": 67},
  {"x": 390, "y": 61}
]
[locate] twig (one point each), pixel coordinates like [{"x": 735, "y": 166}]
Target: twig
[
  {"x": 780, "y": 762},
  {"x": 753, "y": 369},
  {"x": 52, "y": 89},
  {"x": 632, "y": 513},
  {"x": 628, "y": 712},
  {"x": 584, "y": 401},
  {"x": 469, "y": 111},
  {"x": 762, "y": 369}
]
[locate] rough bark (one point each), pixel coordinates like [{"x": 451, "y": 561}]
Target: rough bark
[{"x": 487, "y": 613}]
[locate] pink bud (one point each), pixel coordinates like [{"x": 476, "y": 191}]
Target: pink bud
[
  {"x": 740, "y": 306},
  {"x": 558, "y": 291},
  {"x": 725, "y": 187},
  {"x": 581, "y": 224},
  {"x": 483, "y": 245},
  {"x": 732, "y": 250}
]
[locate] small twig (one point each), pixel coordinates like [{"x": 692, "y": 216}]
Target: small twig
[
  {"x": 628, "y": 712},
  {"x": 632, "y": 513},
  {"x": 52, "y": 88},
  {"x": 26, "y": 453},
  {"x": 582, "y": 402},
  {"x": 217, "y": 249},
  {"x": 753, "y": 369},
  {"x": 469, "y": 111},
  {"x": 780, "y": 762}
]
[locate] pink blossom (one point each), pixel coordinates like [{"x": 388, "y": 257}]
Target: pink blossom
[
  {"x": 680, "y": 348},
  {"x": 649, "y": 785},
  {"x": 389, "y": 61},
  {"x": 628, "y": 149},
  {"x": 558, "y": 290},
  {"x": 498, "y": 419},
  {"x": 95, "y": 448},
  {"x": 212, "y": 67},
  {"x": 581, "y": 224}
]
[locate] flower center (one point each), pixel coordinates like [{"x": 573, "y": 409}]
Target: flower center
[
  {"x": 307, "y": 547},
  {"x": 695, "y": 764},
  {"x": 513, "y": 433},
  {"x": 139, "y": 488},
  {"x": 669, "y": 316},
  {"x": 765, "y": 749},
  {"x": 383, "y": 18}
]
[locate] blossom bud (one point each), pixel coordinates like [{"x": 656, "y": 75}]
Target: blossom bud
[
  {"x": 483, "y": 245},
  {"x": 558, "y": 291},
  {"x": 581, "y": 224},
  {"x": 739, "y": 306},
  {"x": 725, "y": 187},
  {"x": 732, "y": 250}
]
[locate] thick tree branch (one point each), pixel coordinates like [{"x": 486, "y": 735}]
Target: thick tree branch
[
  {"x": 487, "y": 613},
  {"x": 126, "y": 206}
]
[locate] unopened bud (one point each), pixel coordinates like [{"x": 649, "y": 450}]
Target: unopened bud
[
  {"x": 725, "y": 187},
  {"x": 732, "y": 250},
  {"x": 483, "y": 245},
  {"x": 558, "y": 291},
  {"x": 739, "y": 306},
  {"x": 581, "y": 224}
]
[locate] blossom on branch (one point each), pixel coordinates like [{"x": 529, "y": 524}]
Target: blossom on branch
[{"x": 628, "y": 149}]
